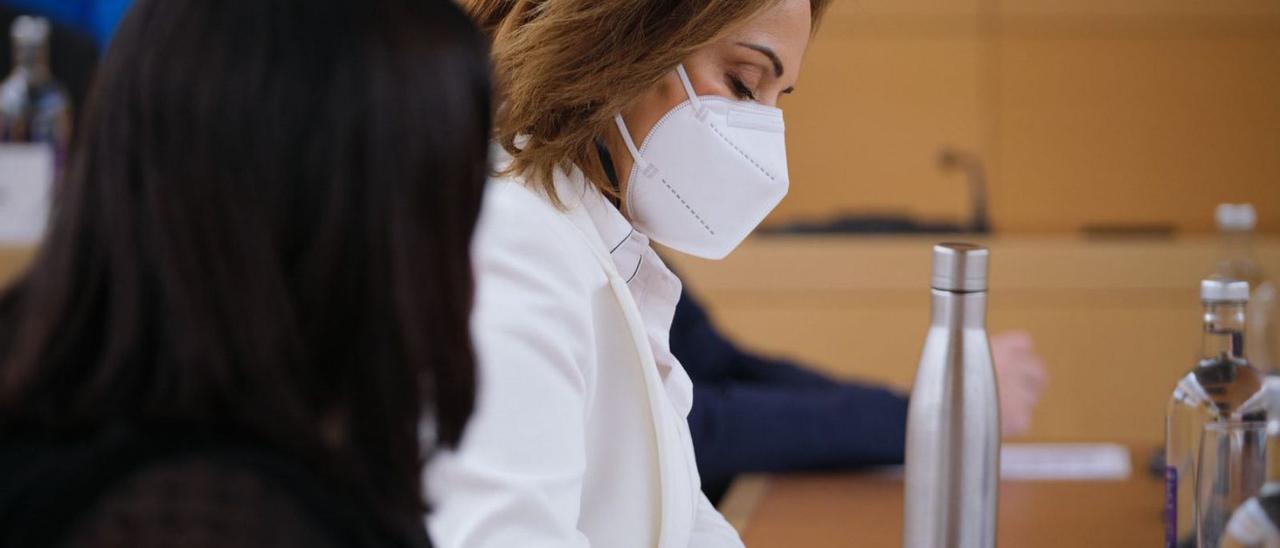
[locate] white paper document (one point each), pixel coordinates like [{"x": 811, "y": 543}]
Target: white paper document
[
  {"x": 1064, "y": 461},
  {"x": 26, "y": 181}
]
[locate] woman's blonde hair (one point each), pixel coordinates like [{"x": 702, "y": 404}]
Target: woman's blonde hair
[{"x": 565, "y": 67}]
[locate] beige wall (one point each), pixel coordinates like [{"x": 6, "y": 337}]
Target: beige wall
[{"x": 1086, "y": 111}]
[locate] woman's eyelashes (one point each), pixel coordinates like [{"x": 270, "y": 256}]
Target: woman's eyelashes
[{"x": 740, "y": 89}]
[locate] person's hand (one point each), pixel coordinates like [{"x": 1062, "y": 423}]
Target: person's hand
[{"x": 1020, "y": 378}]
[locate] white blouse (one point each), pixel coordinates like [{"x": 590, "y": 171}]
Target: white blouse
[{"x": 655, "y": 288}]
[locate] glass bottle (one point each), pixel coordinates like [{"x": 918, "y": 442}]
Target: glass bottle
[
  {"x": 34, "y": 107},
  {"x": 1215, "y": 389},
  {"x": 1256, "y": 524},
  {"x": 1236, "y": 260}
]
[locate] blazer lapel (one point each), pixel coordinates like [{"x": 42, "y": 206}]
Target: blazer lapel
[{"x": 673, "y": 460}]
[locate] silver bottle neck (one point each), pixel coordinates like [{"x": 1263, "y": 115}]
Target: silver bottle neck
[{"x": 959, "y": 309}]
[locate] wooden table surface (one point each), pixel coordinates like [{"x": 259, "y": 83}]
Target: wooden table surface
[{"x": 865, "y": 509}]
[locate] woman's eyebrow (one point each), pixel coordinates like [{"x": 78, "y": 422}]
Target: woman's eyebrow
[{"x": 767, "y": 52}]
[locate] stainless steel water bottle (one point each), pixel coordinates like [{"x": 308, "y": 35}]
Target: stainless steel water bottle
[{"x": 953, "y": 422}]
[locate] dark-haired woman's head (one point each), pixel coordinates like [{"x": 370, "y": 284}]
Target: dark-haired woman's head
[{"x": 265, "y": 227}]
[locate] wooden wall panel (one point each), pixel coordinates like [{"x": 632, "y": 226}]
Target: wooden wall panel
[
  {"x": 853, "y": 10},
  {"x": 1117, "y": 322},
  {"x": 1087, "y": 111},
  {"x": 1155, "y": 130},
  {"x": 1139, "y": 8},
  {"x": 865, "y": 132}
]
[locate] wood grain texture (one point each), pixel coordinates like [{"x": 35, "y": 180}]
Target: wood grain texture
[{"x": 865, "y": 509}]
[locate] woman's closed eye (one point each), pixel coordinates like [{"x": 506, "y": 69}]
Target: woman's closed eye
[{"x": 740, "y": 89}]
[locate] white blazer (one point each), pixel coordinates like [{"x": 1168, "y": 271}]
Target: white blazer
[{"x": 575, "y": 441}]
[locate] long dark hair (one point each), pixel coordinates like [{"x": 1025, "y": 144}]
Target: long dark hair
[{"x": 265, "y": 227}]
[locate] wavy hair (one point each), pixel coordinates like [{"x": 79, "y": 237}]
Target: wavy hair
[{"x": 565, "y": 67}]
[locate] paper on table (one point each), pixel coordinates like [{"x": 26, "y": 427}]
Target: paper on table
[
  {"x": 1064, "y": 461},
  {"x": 26, "y": 178}
]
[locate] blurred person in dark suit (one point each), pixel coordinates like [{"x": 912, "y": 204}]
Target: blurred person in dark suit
[
  {"x": 248, "y": 324},
  {"x": 758, "y": 414}
]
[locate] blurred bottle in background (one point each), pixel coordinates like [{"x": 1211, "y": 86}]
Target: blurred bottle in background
[
  {"x": 35, "y": 134},
  {"x": 34, "y": 107},
  {"x": 1262, "y": 340},
  {"x": 1215, "y": 389}
]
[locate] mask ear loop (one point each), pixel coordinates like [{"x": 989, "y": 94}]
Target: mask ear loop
[
  {"x": 647, "y": 168},
  {"x": 693, "y": 97}
]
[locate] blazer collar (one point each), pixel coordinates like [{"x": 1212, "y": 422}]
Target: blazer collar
[{"x": 585, "y": 204}]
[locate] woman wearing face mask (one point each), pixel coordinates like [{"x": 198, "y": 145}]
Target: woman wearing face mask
[{"x": 624, "y": 121}]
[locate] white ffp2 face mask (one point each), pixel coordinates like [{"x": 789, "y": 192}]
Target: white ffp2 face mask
[{"x": 707, "y": 174}]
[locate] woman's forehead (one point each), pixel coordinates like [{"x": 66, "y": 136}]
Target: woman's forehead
[{"x": 785, "y": 28}]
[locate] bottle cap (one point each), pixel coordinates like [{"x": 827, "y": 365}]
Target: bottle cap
[
  {"x": 960, "y": 267},
  {"x": 1224, "y": 290},
  {"x": 28, "y": 31},
  {"x": 1236, "y": 217}
]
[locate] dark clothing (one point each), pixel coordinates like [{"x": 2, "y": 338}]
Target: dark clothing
[
  {"x": 73, "y": 57},
  {"x": 123, "y": 488},
  {"x": 756, "y": 414}
]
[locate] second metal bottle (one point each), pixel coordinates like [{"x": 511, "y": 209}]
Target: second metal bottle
[{"x": 953, "y": 422}]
